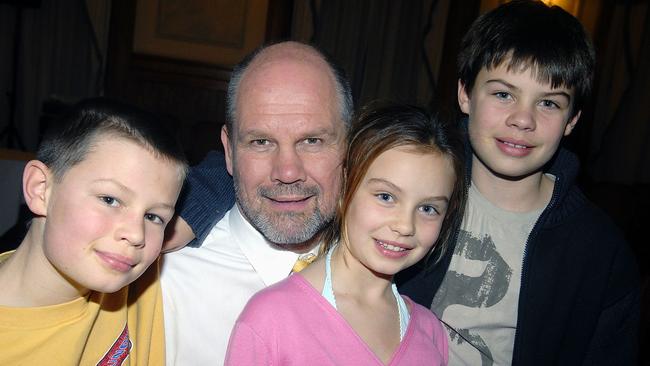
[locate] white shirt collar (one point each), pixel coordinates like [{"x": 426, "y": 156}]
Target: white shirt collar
[{"x": 271, "y": 263}]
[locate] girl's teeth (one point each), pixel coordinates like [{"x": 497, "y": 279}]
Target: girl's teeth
[
  {"x": 391, "y": 247},
  {"x": 515, "y": 145}
]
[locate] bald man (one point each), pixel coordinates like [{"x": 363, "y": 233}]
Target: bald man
[{"x": 288, "y": 109}]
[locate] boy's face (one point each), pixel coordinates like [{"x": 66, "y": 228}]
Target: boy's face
[
  {"x": 516, "y": 122},
  {"x": 106, "y": 218}
]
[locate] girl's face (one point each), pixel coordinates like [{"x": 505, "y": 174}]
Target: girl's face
[{"x": 395, "y": 215}]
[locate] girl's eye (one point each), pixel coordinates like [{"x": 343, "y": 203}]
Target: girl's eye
[
  {"x": 429, "y": 210},
  {"x": 154, "y": 218},
  {"x": 109, "y": 201},
  {"x": 385, "y": 197}
]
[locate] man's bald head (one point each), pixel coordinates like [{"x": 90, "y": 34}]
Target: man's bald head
[{"x": 285, "y": 54}]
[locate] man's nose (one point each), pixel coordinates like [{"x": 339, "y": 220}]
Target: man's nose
[{"x": 288, "y": 166}]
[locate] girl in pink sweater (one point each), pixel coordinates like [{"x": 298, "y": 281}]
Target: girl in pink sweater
[{"x": 401, "y": 195}]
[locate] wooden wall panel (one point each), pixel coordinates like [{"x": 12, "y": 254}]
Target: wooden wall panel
[
  {"x": 191, "y": 92},
  {"x": 217, "y": 32}
]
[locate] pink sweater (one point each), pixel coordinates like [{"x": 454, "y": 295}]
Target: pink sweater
[{"x": 290, "y": 323}]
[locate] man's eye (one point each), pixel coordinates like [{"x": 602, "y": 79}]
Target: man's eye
[
  {"x": 313, "y": 140},
  {"x": 502, "y": 95},
  {"x": 260, "y": 142},
  {"x": 109, "y": 201}
]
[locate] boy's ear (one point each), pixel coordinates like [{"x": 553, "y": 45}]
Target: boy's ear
[
  {"x": 463, "y": 98},
  {"x": 571, "y": 124},
  {"x": 227, "y": 148},
  {"x": 37, "y": 177}
]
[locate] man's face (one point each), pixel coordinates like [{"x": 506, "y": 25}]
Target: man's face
[
  {"x": 516, "y": 122},
  {"x": 285, "y": 150}
]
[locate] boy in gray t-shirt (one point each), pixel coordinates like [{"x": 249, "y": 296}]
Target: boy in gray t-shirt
[{"x": 538, "y": 275}]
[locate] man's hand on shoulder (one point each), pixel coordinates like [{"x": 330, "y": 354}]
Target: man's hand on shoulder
[{"x": 177, "y": 235}]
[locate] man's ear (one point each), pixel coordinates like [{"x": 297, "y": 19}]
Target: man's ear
[
  {"x": 227, "y": 148},
  {"x": 463, "y": 98},
  {"x": 37, "y": 178},
  {"x": 572, "y": 123}
]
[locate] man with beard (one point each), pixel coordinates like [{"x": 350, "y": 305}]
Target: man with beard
[{"x": 287, "y": 114}]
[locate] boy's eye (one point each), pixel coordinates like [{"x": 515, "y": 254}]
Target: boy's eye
[
  {"x": 502, "y": 95},
  {"x": 154, "y": 218},
  {"x": 385, "y": 197},
  {"x": 429, "y": 210},
  {"x": 549, "y": 104},
  {"x": 110, "y": 201}
]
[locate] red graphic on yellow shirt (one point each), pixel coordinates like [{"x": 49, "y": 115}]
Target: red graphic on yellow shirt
[{"x": 119, "y": 351}]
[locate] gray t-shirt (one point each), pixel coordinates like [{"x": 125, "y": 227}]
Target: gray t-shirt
[{"x": 477, "y": 300}]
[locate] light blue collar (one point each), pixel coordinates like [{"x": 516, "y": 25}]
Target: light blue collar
[{"x": 328, "y": 294}]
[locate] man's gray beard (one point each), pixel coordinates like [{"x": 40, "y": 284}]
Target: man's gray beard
[{"x": 303, "y": 226}]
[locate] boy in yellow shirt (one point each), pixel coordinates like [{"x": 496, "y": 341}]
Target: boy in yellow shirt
[{"x": 102, "y": 190}]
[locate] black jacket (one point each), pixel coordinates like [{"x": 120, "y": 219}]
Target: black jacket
[{"x": 579, "y": 297}]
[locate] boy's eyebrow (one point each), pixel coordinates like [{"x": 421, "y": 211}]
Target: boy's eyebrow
[
  {"x": 166, "y": 206},
  {"x": 113, "y": 181},
  {"x": 393, "y": 186},
  {"x": 504, "y": 83},
  {"x": 513, "y": 87},
  {"x": 559, "y": 93},
  {"x": 129, "y": 191}
]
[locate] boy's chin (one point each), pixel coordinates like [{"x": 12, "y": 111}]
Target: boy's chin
[
  {"x": 508, "y": 171},
  {"x": 515, "y": 174},
  {"x": 109, "y": 287}
]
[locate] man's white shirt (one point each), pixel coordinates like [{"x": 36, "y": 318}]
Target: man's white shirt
[{"x": 206, "y": 288}]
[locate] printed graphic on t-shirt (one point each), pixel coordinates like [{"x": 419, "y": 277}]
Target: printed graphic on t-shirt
[
  {"x": 119, "y": 351},
  {"x": 479, "y": 297},
  {"x": 483, "y": 286}
]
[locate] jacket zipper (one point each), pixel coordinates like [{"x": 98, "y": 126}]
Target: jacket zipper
[{"x": 526, "y": 263}]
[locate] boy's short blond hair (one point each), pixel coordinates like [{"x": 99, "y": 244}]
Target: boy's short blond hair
[{"x": 68, "y": 141}]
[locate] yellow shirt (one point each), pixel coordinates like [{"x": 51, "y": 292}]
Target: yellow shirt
[{"x": 122, "y": 328}]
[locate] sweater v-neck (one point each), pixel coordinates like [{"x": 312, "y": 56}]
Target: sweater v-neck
[{"x": 316, "y": 296}]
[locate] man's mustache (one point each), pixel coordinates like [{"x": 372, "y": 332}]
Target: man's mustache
[{"x": 294, "y": 189}]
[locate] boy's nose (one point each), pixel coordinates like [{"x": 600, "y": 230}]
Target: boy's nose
[
  {"x": 131, "y": 230},
  {"x": 522, "y": 118}
]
